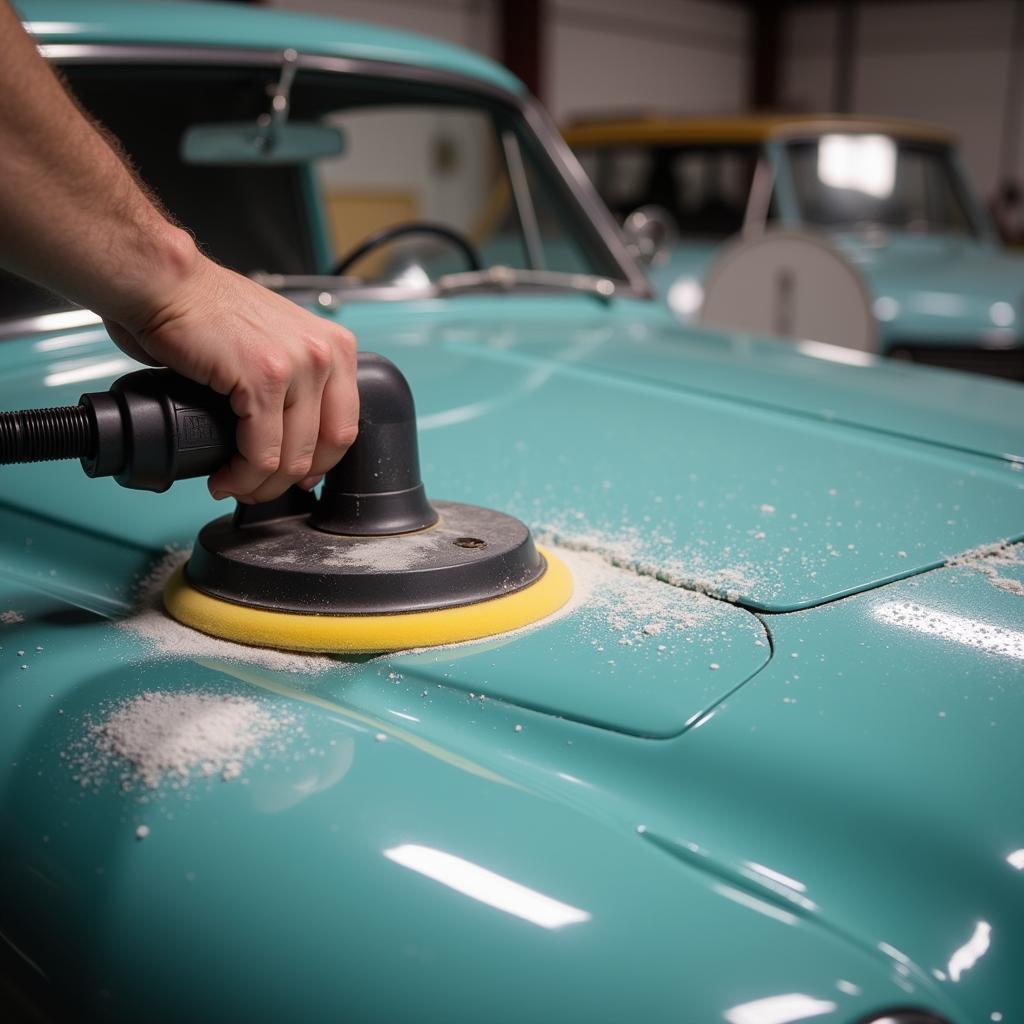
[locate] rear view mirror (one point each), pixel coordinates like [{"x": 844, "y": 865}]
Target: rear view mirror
[{"x": 259, "y": 142}]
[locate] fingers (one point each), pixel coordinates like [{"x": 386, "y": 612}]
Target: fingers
[
  {"x": 338, "y": 418},
  {"x": 290, "y": 376},
  {"x": 258, "y": 401},
  {"x": 300, "y": 427},
  {"x": 295, "y": 422}
]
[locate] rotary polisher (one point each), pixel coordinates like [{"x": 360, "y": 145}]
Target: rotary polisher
[{"x": 369, "y": 565}]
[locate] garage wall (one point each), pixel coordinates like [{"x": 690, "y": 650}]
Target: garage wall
[
  {"x": 662, "y": 55},
  {"x": 944, "y": 61},
  {"x": 600, "y": 56}
]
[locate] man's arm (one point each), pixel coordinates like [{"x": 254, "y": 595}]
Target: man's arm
[{"x": 74, "y": 219}]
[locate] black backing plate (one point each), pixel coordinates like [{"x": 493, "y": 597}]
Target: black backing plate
[{"x": 472, "y": 554}]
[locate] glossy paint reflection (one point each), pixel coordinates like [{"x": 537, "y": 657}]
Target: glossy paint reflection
[
  {"x": 971, "y": 951},
  {"x": 486, "y": 886},
  {"x": 959, "y": 629},
  {"x": 782, "y": 1009},
  {"x": 64, "y": 374}
]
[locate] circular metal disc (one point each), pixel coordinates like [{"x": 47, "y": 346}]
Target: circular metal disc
[{"x": 790, "y": 284}]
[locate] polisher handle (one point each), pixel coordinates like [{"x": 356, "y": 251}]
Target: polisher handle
[
  {"x": 151, "y": 428},
  {"x": 154, "y": 427}
]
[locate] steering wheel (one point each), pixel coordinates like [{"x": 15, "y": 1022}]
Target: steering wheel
[{"x": 414, "y": 227}]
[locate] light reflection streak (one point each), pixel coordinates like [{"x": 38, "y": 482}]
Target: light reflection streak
[
  {"x": 753, "y": 903},
  {"x": 35, "y": 28},
  {"x": 971, "y": 951},
  {"x": 402, "y": 714},
  {"x": 777, "y": 876},
  {"x": 573, "y": 779},
  {"x": 779, "y": 1009},
  {"x": 90, "y": 371},
  {"x": 958, "y": 629},
  {"x": 69, "y": 341},
  {"x": 1016, "y": 860},
  {"x": 835, "y": 353},
  {"x": 480, "y": 884}
]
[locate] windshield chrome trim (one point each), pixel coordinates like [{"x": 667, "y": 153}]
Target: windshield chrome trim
[
  {"x": 586, "y": 195},
  {"x": 523, "y": 200},
  {"x": 331, "y": 292},
  {"x": 561, "y": 157},
  {"x": 62, "y": 320}
]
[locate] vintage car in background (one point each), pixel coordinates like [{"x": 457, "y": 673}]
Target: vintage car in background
[
  {"x": 890, "y": 195},
  {"x": 766, "y": 769}
]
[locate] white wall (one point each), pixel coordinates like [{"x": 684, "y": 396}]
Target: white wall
[
  {"x": 945, "y": 62},
  {"x": 685, "y": 56},
  {"x": 600, "y": 56}
]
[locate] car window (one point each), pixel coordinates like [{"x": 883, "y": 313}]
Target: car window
[
  {"x": 621, "y": 174},
  {"x": 441, "y": 165},
  {"x": 711, "y": 188},
  {"x": 853, "y": 180},
  {"x": 704, "y": 188},
  {"x": 412, "y": 152}
]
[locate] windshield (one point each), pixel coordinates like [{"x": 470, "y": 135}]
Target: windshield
[
  {"x": 703, "y": 188},
  {"x": 411, "y": 152},
  {"x": 853, "y": 181}
]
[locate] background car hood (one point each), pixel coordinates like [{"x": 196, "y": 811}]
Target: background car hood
[{"x": 944, "y": 287}]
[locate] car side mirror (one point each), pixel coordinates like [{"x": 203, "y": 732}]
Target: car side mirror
[{"x": 650, "y": 233}]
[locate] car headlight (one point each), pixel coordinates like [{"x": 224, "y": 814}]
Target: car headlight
[
  {"x": 685, "y": 297},
  {"x": 1001, "y": 314}
]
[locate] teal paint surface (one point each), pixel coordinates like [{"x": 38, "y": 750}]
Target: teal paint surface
[
  {"x": 830, "y": 770},
  {"x": 213, "y": 25},
  {"x": 624, "y": 427},
  {"x": 829, "y": 824},
  {"x": 945, "y": 288}
]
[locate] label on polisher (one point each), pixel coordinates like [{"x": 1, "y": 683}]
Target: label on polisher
[{"x": 198, "y": 429}]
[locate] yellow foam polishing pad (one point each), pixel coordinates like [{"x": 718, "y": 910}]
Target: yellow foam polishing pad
[{"x": 370, "y": 634}]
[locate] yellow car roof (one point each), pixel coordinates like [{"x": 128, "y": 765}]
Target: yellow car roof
[{"x": 741, "y": 128}]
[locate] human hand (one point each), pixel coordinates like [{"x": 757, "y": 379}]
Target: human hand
[{"x": 289, "y": 374}]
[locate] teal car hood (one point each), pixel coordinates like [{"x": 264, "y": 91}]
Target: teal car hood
[
  {"x": 944, "y": 288},
  {"x": 758, "y": 812},
  {"x": 760, "y": 483}
]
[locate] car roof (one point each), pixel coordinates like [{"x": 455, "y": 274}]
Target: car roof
[
  {"x": 751, "y": 128},
  {"x": 213, "y": 25}
]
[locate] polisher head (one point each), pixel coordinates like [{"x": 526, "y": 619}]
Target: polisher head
[
  {"x": 283, "y": 583},
  {"x": 371, "y": 565}
]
